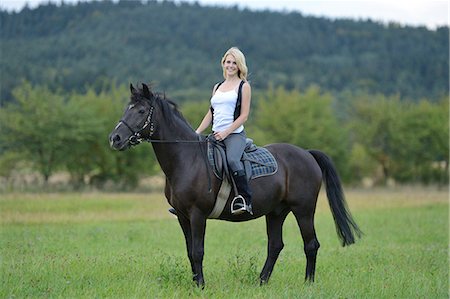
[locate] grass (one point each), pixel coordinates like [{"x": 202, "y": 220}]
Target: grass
[{"x": 128, "y": 246}]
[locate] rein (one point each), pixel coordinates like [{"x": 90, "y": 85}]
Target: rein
[
  {"x": 173, "y": 141},
  {"x": 137, "y": 138}
]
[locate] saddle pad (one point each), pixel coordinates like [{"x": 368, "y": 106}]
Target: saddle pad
[{"x": 262, "y": 162}]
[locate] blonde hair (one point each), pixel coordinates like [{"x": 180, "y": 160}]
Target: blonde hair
[{"x": 240, "y": 62}]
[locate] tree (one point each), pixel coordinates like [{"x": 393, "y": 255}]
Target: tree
[
  {"x": 82, "y": 161},
  {"x": 421, "y": 142},
  {"x": 375, "y": 122},
  {"x": 36, "y": 126}
]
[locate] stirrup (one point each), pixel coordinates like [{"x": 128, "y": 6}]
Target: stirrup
[{"x": 239, "y": 206}]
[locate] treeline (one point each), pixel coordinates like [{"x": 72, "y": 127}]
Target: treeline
[
  {"x": 80, "y": 47},
  {"x": 379, "y": 138},
  {"x": 47, "y": 132}
]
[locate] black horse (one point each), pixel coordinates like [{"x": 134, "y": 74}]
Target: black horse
[{"x": 191, "y": 188}]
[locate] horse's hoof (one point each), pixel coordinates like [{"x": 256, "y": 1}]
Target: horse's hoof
[
  {"x": 263, "y": 282},
  {"x": 200, "y": 285},
  {"x": 198, "y": 281}
]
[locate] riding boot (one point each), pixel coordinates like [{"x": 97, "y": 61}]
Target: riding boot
[{"x": 238, "y": 207}]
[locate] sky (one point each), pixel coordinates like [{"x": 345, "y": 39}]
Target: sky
[{"x": 429, "y": 13}]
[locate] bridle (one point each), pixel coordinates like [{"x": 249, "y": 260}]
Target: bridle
[{"x": 136, "y": 137}]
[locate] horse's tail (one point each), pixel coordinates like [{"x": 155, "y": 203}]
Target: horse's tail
[{"x": 345, "y": 225}]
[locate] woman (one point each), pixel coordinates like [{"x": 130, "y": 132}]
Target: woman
[{"x": 228, "y": 119}]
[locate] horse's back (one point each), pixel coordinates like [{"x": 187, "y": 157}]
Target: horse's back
[{"x": 298, "y": 165}]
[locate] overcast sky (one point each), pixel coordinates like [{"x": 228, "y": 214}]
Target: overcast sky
[{"x": 430, "y": 13}]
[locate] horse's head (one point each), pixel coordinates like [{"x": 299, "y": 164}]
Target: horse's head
[{"x": 137, "y": 120}]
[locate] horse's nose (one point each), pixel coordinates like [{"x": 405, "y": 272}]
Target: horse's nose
[{"x": 113, "y": 138}]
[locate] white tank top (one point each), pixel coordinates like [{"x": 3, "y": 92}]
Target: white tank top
[{"x": 224, "y": 103}]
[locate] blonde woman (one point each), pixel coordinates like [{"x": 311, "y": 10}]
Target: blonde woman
[{"x": 230, "y": 108}]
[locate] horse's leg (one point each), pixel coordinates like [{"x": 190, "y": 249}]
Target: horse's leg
[
  {"x": 186, "y": 227},
  {"x": 274, "y": 227},
  {"x": 198, "y": 226},
  {"x": 305, "y": 220}
]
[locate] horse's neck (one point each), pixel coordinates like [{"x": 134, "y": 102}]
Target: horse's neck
[
  {"x": 178, "y": 159},
  {"x": 174, "y": 154}
]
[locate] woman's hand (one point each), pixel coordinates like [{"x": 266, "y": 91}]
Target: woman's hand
[{"x": 220, "y": 136}]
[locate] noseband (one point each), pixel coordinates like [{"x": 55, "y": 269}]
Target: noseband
[{"x": 136, "y": 137}]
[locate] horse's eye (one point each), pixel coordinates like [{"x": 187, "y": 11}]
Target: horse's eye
[{"x": 142, "y": 111}]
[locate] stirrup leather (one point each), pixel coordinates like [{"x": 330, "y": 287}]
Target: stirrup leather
[{"x": 239, "y": 206}]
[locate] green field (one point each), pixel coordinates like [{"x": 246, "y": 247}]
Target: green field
[{"x": 128, "y": 246}]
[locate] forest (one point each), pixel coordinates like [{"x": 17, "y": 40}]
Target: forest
[
  {"x": 373, "y": 96},
  {"x": 178, "y": 46}
]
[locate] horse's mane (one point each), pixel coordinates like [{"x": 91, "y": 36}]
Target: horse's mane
[{"x": 168, "y": 108}]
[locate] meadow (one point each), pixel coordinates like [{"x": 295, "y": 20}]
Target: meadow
[{"x": 84, "y": 245}]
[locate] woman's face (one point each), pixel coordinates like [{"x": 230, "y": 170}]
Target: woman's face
[{"x": 230, "y": 66}]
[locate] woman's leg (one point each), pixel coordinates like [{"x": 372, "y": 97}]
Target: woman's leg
[{"x": 235, "y": 145}]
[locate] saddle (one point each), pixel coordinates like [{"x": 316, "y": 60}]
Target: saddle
[{"x": 257, "y": 162}]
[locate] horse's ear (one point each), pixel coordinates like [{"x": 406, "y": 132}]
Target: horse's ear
[
  {"x": 132, "y": 89},
  {"x": 147, "y": 93}
]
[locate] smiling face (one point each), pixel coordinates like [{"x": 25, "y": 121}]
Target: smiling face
[
  {"x": 233, "y": 64},
  {"x": 230, "y": 67}
]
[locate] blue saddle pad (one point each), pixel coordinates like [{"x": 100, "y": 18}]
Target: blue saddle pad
[{"x": 258, "y": 162}]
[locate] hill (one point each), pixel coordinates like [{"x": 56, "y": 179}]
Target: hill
[{"x": 179, "y": 45}]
